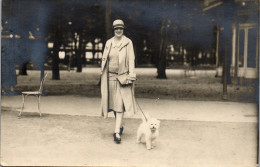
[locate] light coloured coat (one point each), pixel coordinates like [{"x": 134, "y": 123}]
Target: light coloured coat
[{"x": 126, "y": 65}]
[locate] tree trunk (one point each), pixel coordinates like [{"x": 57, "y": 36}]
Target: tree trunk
[
  {"x": 108, "y": 19},
  {"x": 161, "y": 68},
  {"x": 217, "y": 49},
  {"x": 229, "y": 55},
  {"x": 23, "y": 70},
  {"x": 56, "y": 61},
  {"x": 78, "y": 52},
  {"x": 108, "y": 26},
  {"x": 55, "y": 56},
  {"x": 57, "y": 45},
  {"x": 225, "y": 51},
  {"x": 139, "y": 52},
  {"x": 224, "y": 73}
]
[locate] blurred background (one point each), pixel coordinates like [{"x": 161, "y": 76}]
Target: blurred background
[{"x": 189, "y": 35}]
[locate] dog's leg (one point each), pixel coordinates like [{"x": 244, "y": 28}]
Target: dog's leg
[
  {"x": 139, "y": 136},
  {"x": 153, "y": 143},
  {"x": 148, "y": 143}
]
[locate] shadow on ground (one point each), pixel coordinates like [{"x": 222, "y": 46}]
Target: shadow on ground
[{"x": 59, "y": 140}]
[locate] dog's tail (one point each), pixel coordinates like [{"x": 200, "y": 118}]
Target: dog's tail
[{"x": 145, "y": 116}]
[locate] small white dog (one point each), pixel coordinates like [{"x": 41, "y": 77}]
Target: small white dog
[{"x": 148, "y": 131}]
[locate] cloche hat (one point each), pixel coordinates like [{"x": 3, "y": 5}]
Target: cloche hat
[{"x": 118, "y": 23}]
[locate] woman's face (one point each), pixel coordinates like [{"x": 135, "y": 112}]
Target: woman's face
[{"x": 119, "y": 32}]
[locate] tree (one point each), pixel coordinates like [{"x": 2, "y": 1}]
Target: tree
[
  {"x": 108, "y": 24},
  {"x": 55, "y": 55},
  {"x": 57, "y": 39},
  {"x": 162, "y": 52}
]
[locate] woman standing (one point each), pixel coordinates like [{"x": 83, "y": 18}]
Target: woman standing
[{"x": 118, "y": 61}]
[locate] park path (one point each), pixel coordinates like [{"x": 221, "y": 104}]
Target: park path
[{"x": 70, "y": 133}]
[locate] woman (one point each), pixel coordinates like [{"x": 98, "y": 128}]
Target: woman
[{"x": 118, "y": 60}]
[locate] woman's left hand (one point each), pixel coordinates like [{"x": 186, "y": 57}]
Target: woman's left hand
[{"x": 129, "y": 81}]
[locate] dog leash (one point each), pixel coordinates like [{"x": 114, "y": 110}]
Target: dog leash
[{"x": 141, "y": 110}]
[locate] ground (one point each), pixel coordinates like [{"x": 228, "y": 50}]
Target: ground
[{"x": 63, "y": 140}]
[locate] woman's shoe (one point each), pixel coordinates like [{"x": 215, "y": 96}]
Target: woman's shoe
[
  {"x": 115, "y": 114},
  {"x": 121, "y": 131},
  {"x": 117, "y": 139}
]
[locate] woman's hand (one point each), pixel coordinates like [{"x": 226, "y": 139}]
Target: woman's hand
[{"x": 129, "y": 81}]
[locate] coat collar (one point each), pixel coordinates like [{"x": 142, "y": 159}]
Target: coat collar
[
  {"x": 118, "y": 44},
  {"x": 124, "y": 41}
]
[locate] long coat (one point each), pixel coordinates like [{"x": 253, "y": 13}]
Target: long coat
[{"x": 126, "y": 65}]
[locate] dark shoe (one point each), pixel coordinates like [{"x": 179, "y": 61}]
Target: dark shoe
[
  {"x": 121, "y": 131},
  {"x": 115, "y": 114},
  {"x": 116, "y": 139}
]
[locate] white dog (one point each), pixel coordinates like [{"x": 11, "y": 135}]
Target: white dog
[{"x": 148, "y": 131}]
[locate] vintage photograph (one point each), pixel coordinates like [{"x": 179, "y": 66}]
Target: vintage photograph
[{"x": 156, "y": 83}]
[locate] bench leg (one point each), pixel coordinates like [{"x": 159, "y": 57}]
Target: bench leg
[
  {"x": 23, "y": 105},
  {"x": 39, "y": 97}
]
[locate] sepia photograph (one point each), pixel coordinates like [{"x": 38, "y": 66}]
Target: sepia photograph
[{"x": 185, "y": 74}]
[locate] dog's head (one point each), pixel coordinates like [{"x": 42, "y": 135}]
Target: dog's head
[{"x": 153, "y": 124}]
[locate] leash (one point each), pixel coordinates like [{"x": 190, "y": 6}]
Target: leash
[{"x": 141, "y": 110}]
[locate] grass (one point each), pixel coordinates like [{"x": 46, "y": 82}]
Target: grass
[{"x": 202, "y": 86}]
